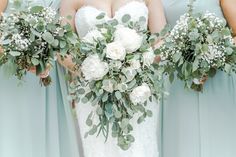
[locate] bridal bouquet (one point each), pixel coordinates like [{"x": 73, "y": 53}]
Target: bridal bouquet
[
  {"x": 118, "y": 78},
  {"x": 198, "y": 46},
  {"x": 32, "y": 38}
]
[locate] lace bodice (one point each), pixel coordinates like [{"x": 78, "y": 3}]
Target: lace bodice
[{"x": 85, "y": 18}]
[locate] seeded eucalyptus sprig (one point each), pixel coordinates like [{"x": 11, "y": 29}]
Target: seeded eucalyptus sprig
[
  {"x": 198, "y": 47},
  {"x": 32, "y": 37}
]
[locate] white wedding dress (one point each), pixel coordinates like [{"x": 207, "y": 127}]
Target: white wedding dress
[{"x": 146, "y": 134}]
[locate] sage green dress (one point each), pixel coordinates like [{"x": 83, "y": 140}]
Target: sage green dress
[
  {"x": 199, "y": 124},
  {"x": 36, "y": 121}
]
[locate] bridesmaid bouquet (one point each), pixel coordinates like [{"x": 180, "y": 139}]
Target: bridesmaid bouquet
[
  {"x": 32, "y": 38},
  {"x": 198, "y": 46},
  {"x": 118, "y": 78}
]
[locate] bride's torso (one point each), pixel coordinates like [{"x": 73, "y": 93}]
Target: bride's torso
[{"x": 85, "y": 18}]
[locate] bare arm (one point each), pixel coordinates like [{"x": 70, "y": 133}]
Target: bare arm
[
  {"x": 157, "y": 20},
  {"x": 228, "y": 8},
  {"x": 69, "y": 8},
  {"x": 3, "y": 5}
]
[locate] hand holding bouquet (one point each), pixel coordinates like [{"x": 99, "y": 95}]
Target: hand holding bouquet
[
  {"x": 31, "y": 39},
  {"x": 198, "y": 46},
  {"x": 117, "y": 77}
]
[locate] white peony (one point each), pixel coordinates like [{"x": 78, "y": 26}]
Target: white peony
[
  {"x": 115, "y": 51},
  {"x": 129, "y": 38},
  {"x": 140, "y": 94},
  {"x": 148, "y": 57},
  {"x": 93, "y": 68},
  {"x": 92, "y": 36}
]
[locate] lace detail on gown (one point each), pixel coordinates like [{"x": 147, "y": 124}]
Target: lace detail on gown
[
  {"x": 145, "y": 133},
  {"x": 85, "y": 18}
]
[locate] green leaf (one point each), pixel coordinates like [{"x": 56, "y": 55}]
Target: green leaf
[
  {"x": 100, "y": 16},
  {"x": 177, "y": 56},
  {"x": 99, "y": 110},
  {"x": 126, "y": 18},
  {"x": 142, "y": 19},
  {"x": 124, "y": 123},
  {"x": 118, "y": 114},
  {"x": 229, "y": 50},
  {"x": 204, "y": 48},
  {"x": 55, "y": 43},
  {"x": 149, "y": 113},
  {"x": 228, "y": 68},
  {"x": 62, "y": 44},
  {"x": 35, "y": 61},
  {"x": 118, "y": 95},
  {"x": 36, "y": 9},
  {"x": 105, "y": 97},
  {"x": 48, "y": 37},
  {"x": 84, "y": 100},
  {"x": 17, "y": 4},
  {"x": 140, "y": 119},
  {"x": 89, "y": 122},
  {"x": 171, "y": 77},
  {"x": 93, "y": 130},
  {"x": 81, "y": 91},
  {"x": 195, "y": 65},
  {"x": 15, "y": 53},
  {"x": 212, "y": 72}
]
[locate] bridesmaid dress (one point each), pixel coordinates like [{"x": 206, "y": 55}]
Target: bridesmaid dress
[
  {"x": 199, "y": 124},
  {"x": 36, "y": 121}
]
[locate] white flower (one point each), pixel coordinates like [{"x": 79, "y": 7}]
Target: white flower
[
  {"x": 93, "y": 68},
  {"x": 140, "y": 94},
  {"x": 115, "y": 51},
  {"x": 135, "y": 64},
  {"x": 129, "y": 38},
  {"x": 108, "y": 85},
  {"x": 92, "y": 36},
  {"x": 148, "y": 57}
]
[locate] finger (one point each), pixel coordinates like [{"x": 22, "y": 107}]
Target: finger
[
  {"x": 157, "y": 59},
  {"x": 44, "y": 74},
  {"x": 32, "y": 69}
]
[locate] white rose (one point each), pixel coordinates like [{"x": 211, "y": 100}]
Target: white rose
[
  {"x": 140, "y": 94},
  {"x": 93, "y": 68},
  {"x": 92, "y": 36},
  {"x": 129, "y": 38},
  {"x": 115, "y": 51},
  {"x": 135, "y": 64},
  {"x": 148, "y": 57}
]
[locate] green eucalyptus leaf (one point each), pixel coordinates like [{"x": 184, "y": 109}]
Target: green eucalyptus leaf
[
  {"x": 36, "y": 9},
  {"x": 15, "y": 53},
  {"x": 35, "y": 61},
  {"x": 126, "y": 18},
  {"x": 47, "y": 36}
]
